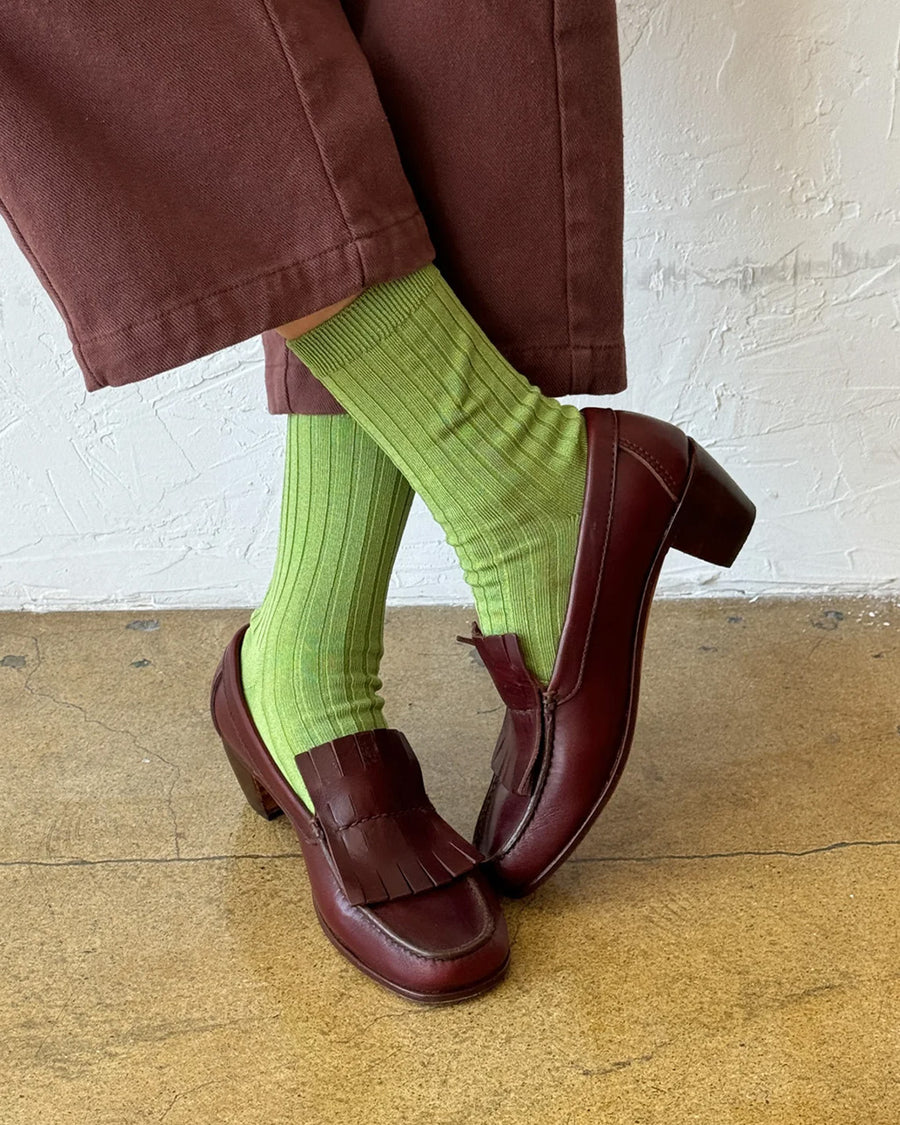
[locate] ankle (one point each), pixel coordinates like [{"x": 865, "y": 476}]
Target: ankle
[{"x": 295, "y": 328}]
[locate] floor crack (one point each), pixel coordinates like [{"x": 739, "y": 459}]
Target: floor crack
[
  {"x": 837, "y": 846},
  {"x": 113, "y": 861},
  {"x": 122, "y": 860},
  {"x": 38, "y": 693}
]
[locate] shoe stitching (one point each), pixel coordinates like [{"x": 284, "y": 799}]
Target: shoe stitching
[
  {"x": 367, "y": 915},
  {"x": 549, "y": 743},
  {"x": 381, "y": 815},
  {"x": 602, "y": 568},
  {"x": 643, "y": 454}
]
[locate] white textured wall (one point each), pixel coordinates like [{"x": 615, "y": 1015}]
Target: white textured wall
[{"x": 763, "y": 262}]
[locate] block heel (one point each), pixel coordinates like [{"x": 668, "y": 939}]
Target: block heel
[
  {"x": 258, "y": 798},
  {"x": 714, "y": 517}
]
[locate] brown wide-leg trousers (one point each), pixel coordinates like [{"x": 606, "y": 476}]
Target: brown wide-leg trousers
[{"x": 186, "y": 176}]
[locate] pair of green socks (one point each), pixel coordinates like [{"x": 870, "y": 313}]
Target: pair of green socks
[{"x": 433, "y": 407}]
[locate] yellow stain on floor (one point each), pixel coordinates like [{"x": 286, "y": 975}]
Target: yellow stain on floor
[{"x": 723, "y": 948}]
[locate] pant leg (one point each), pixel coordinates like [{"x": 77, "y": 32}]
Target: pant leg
[
  {"x": 182, "y": 177},
  {"x": 291, "y": 388},
  {"x": 508, "y": 119}
]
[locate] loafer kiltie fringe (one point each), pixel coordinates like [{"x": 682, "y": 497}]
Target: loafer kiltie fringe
[
  {"x": 396, "y": 889},
  {"x": 562, "y": 748}
]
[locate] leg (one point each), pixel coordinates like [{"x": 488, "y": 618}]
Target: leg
[
  {"x": 501, "y": 466},
  {"x": 561, "y": 521},
  {"x": 310, "y": 657},
  {"x": 306, "y": 323}
]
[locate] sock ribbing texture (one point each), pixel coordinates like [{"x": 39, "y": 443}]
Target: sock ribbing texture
[
  {"x": 500, "y": 466},
  {"x": 310, "y": 658}
]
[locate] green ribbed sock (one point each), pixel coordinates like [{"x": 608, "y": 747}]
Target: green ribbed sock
[
  {"x": 309, "y": 661},
  {"x": 500, "y": 466}
]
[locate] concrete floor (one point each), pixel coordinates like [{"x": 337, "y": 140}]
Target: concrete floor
[{"x": 722, "y": 949}]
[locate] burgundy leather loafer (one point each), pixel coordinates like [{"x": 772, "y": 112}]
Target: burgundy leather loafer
[
  {"x": 562, "y": 748},
  {"x": 396, "y": 889}
]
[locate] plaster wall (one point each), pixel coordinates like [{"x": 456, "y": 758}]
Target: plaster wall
[{"x": 763, "y": 303}]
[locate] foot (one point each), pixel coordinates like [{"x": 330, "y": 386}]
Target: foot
[
  {"x": 562, "y": 748},
  {"x": 398, "y": 892}
]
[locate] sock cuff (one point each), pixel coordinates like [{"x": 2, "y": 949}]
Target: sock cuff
[{"x": 373, "y": 316}]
